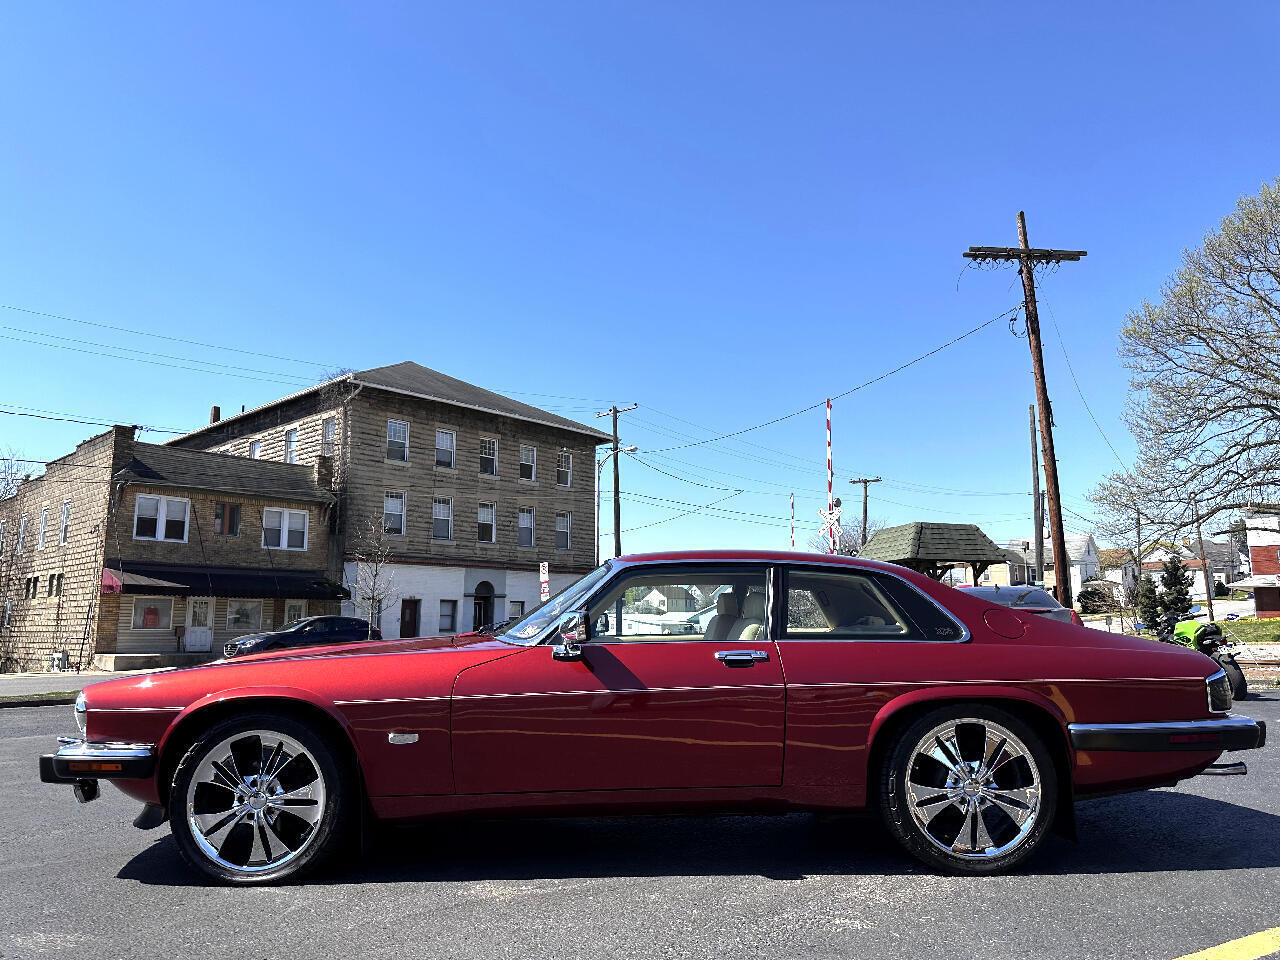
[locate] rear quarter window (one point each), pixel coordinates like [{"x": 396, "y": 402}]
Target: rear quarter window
[{"x": 839, "y": 605}]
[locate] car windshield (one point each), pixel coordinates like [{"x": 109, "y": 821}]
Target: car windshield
[
  {"x": 527, "y": 631},
  {"x": 1024, "y": 596}
]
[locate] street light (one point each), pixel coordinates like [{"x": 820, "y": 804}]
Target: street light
[{"x": 599, "y": 467}]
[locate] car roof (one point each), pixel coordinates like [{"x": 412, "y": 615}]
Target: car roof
[{"x": 756, "y": 556}]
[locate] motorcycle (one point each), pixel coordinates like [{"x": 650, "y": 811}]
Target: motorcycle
[{"x": 1208, "y": 639}]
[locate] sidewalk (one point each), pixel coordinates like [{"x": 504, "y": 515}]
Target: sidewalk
[{"x": 17, "y": 689}]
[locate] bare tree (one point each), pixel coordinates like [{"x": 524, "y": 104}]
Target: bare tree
[
  {"x": 849, "y": 543},
  {"x": 1205, "y": 383},
  {"x": 373, "y": 578},
  {"x": 13, "y": 470}
]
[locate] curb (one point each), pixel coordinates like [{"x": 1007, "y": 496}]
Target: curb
[{"x": 37, "y": 701}]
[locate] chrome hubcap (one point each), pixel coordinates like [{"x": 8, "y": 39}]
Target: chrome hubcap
[
  {"x": 255, "y": 801},
  {"x": 973, "y": 788}
]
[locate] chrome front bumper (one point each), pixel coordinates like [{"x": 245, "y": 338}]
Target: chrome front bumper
[
  {"x": 1205, "y": 736},
  {"x": 79, "y": 760}
]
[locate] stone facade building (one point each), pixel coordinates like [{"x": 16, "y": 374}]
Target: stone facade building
[
  {"x": 134, "y": 554},
  {"x": 472, "y": 490}
]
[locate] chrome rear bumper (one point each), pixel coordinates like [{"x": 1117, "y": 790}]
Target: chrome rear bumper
[{"x": 1220, "y": 733}]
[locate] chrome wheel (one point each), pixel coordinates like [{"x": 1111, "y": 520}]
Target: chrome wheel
[
  {"x": 255, "y": 801},
  {"x": 973, "y": 788}
]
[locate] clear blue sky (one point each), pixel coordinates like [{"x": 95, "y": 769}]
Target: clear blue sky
[{"x": 721, "y": 211}]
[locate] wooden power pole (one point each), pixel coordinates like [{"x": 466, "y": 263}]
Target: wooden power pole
[
  {"x": 617, "y": 491},
  {"x": 1204, "y": 561},
  {"x": 866, "y": 483},
  {"x": 1037, "y": 515},
  {"x": 1027, "y": 258}
]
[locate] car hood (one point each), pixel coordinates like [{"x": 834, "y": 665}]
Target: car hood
[{"x": 370, "y": 648}]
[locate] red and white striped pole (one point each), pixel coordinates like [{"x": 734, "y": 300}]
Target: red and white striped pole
[
  {"x": 793, "y": 521},
  {"x": 830, "y": 497}
]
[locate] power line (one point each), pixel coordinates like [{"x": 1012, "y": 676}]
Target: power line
[
  {"x": 91, "y": 423},
  {"x": 861, "y": 386}
]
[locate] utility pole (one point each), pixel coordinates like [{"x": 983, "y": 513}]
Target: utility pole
[
  {"x": 617, "y": 493},
  {"x": 1204, "y": 561},
  {"x": 866, "y": 483},
  {"x": 1037, "y": 514},
  {"x": 1027, "y": 257}
]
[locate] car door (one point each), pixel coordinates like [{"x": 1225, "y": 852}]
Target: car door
[{"x": 649, "y": 705}]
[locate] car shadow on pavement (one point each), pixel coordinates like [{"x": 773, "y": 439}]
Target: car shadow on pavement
[{"x": 1136, "y": 833}]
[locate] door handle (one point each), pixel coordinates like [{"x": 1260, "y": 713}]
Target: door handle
[{"x": 741, "y": 658}]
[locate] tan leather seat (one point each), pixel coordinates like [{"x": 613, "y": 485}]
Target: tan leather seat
[
  {"x": 749, "y": 628},
  {"x": 725, "y": 617}
]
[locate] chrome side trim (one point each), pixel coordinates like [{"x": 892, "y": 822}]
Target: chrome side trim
[
  {"x": 397, "y": 737},
  {"x": 1204, "y": 736},
  {"x": 136, "y": 709}
]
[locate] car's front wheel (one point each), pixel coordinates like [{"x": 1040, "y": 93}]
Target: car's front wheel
[
  {"x": 259, "y": 798},
  {"x": 969, "y": 789}
]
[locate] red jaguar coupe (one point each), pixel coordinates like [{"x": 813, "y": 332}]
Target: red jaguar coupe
[{"x": 812, "y": 683}]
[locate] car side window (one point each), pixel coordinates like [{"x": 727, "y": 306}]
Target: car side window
[
  {"x": 714, "y": 603},
  {"x": 839, "y": 605}
]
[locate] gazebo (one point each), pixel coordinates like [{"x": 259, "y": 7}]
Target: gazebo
[{"x": 933, "y": 548}]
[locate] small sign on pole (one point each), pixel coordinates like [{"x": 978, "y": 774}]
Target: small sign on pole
[{"x": 544, "y": 579}]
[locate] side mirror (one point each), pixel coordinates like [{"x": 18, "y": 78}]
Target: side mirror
[{"x": 570, "y": 633}]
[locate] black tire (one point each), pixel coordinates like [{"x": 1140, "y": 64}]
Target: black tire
[
  {"x": 1235, "y": 676},
  {"x": 915, "y": 787},
  {"x": 310, "y": 783}
]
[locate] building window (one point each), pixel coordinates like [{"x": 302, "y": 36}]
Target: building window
[
  {"x": 255, "y": 450},
  {"x": 244, "y": 616},
  {"x": 152, "y": 613},
  {"x": 448, "y": 616},
  {"x": 564, "y": 469},
  {"x": 393, "y": 514},
  {"x": 515, "y": 609},
  {"x": 446, "y": 443},
  {"x": 528, "y": 462},
  {"x": 160, "y": 518},
  {"x": 526, "y": 527},
  {"x": 4, "y": 535},
  {"x": 986, "y": 575},
  {"x": 8, "y": 613},
  {"x": 398, "y": 440},
  {"x": 489, "y": 456},
  {"x": 22, "y": 534},
  {"x": 44, "y": 526},
  {"x": 328, "y": 428},
  {"x": 284, "y": 529},
  {"x": 442, "y": 518},
  {"x": 31, "y": 589},
  {"x": 64, "y": 525},
  {"x": 291, "y": 446},
  {"x": 55, "y": 585},
  {"x": 485, "y": 532},
  {"x": 564, "y": 523},
  {"x": 226, "y": 519}
]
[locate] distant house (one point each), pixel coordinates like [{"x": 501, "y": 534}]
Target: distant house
[
  {"x": 1227, "y": 562},
  {"x": 1083, "y": 554},
  {"x": 1118, "y": 566}
]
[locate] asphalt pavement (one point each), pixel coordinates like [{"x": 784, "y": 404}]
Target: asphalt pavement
[{"x": 1153, "y": 875}]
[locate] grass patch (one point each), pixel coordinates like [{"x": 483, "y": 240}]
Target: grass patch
[
  {"x": 1252, "y": 630},
  {"x": 42, "y": 694}
]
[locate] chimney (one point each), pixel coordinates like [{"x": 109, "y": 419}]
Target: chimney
[
  {"x": 322, "y": 472},
  {"x": 215, "y": 414}
]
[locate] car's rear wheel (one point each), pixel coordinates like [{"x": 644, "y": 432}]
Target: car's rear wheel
[
  {"x": 259, "y": 798},
  {"x": 969, "y": 789}
]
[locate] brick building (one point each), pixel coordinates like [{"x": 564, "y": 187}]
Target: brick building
[
  {"x": 473, "y": 489},
  {"x": 136, "y": 554}
]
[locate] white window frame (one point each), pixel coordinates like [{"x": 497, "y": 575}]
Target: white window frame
[
  {"x": 484, "y": 456},
  {"x": 285, "y": 514},
  {"x": 403, "y": 497},
  {"x": 8, "y": 613},
  {"x": 133, "y": 614},
  {"x": 328, "y": 436},
  {"x": 4, "y": 535},
  {"x": 64, "y": 523},
  {"x": 452, "y": 448},
  {"x": 568, "y": 529},
  {"x": 255, "y": 450},
  {"x": 531, "y": 463},
  {"x": 22, "y": 535},
  {"x": 162, "y": 510},
  {"x": 493, "y": 521},
  {"x": 44, "y": 528},
  {"x": 300, "y": 616},
  {"x": 386, "y": 452},
  {"x": 512, "y": 614},
  {"x": 562, "y": 456},
  {"x": 249, "y": 628},
  {"x": 291, "y": 445},
  {"x": 436, "y": 502},
  {"x": 532, "y": 527},
  {"x": 453, "y": 616}
]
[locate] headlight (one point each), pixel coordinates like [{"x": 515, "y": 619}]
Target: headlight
[
  {"x": 250, "y": 642},
  {"x": 1218, "y": 688},
  {"x": 81, "y": 710}
]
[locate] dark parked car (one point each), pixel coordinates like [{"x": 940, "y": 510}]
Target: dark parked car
[
  {"x": 307, "y": 632},
  {"x": 1027, "y": 599}
]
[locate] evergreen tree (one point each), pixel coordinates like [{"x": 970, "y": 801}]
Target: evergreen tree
[
  {"x": 1148, "y": 601},
  {"x": 1175, "y": 588}
]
